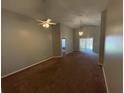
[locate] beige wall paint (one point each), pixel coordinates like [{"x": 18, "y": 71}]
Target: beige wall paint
[
  {"x": 113, "y": 59},
  {"x": 76, "y": 40},
  {"x": 24, "y": 42},
  {"x": 56, "y": 40},
  {"x": 102, "y": 38},
  {"x": 67, "y": 33},
  {"x": 89, "y": 31}
]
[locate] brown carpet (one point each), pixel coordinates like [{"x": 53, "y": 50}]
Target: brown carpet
[{"x": 74, "y": 73}]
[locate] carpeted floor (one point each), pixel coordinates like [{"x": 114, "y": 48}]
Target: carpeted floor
[{"x": 74, "y": 73}]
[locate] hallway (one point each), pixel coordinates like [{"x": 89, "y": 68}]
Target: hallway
[
  {"x": 74, "y": 73},
  {"x": 40, "y": 44}
]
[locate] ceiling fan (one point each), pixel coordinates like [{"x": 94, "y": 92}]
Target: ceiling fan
[{"x": 46, "y": 23}]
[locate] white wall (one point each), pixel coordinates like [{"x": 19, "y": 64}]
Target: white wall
[
  {"x": 113, "y": 59},
  {"x": 67, "y": 33},
  {"x": 24, "y": 42}
]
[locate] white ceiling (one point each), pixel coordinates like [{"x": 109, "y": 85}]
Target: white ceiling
[{"x": 69, "y": 12}]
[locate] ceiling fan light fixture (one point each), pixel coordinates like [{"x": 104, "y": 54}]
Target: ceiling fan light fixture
[
  {"x": 81, "y": 33},
  {"x": 46, "y": 22},
  {"x": 45, "y": 25}
]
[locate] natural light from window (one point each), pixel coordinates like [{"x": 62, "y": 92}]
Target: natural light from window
[{"x": 86, "y": 43}]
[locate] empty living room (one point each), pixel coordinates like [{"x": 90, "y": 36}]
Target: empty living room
[{"x": 61, "y": 46}]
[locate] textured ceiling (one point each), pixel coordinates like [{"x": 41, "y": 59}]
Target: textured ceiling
[{"x": 69, "y": 12}]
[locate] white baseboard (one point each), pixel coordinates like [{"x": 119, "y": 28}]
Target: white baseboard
[
  {"x": 66, "y": 53},
  {"x": 105, "y": 80},
  {"x": 100, "y": 64},
  {"x": 69, "y": 52},
  {"x": 29, "y": 66},
  {"x": 57, "y": 56}
]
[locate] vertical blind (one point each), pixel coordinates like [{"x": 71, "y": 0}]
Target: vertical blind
[{"x": 86, "y": 43}]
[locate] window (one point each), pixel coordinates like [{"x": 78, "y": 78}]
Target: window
[{"x": 86, "y": 43}]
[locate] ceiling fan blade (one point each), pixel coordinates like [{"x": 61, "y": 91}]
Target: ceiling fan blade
[
  {"x": 52, "y": 23},
  {"x": 40, "y": 23},
  {"x": 39, "y": 20},
  {"x": 48, "y": 20}
]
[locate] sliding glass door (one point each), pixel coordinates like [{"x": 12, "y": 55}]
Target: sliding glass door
[{"x": 86, "y": 44}]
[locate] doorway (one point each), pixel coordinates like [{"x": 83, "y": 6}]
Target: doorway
[{"x": 63, "y": 46}]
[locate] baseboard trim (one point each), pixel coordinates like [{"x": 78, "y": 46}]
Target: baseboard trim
[
  {"x": 69, "y": 52},
  {"x": 57, "y": 56},
  {"x": 29, "y": 66},
  {"x": 100, "y": 64},
  {"x": 105, "y": 80}
]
